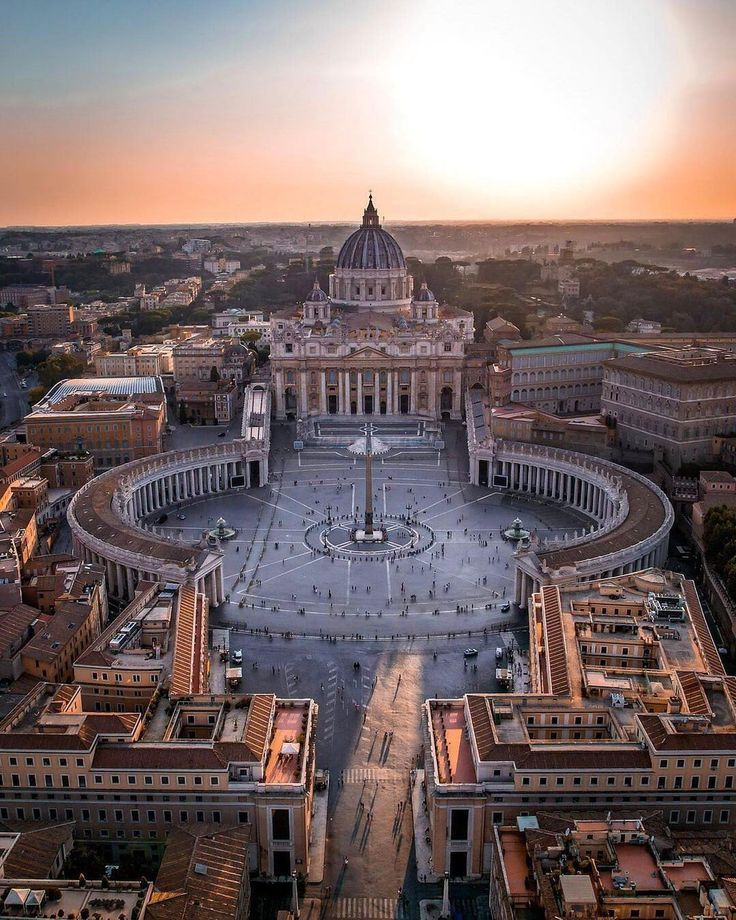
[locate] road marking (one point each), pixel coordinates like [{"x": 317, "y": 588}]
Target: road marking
[
  {"x": 439, "y": 501},
  {"x": 374, "y": 774},
  {"x": 365, "y": 909},
  {"x": 464, "y": 505},
  {"x": 295, "y": 569},
  {"x": 388, "y": 580},
  {"x": 347, "y": 598}
]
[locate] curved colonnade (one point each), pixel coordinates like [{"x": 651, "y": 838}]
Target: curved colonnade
[
  {"x": 632, "y": 516},
  {"x": 105, "y": 515}
]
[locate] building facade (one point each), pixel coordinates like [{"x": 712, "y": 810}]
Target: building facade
[
  {"x": 373, "y": 346},
  {"x": 627, "y": 704},
  {"x": 672, "y": 402}
]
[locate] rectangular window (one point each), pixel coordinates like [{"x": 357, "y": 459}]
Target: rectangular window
[
  {"x": 280, "y": 824},
  {"x": 459, "y": 823}
]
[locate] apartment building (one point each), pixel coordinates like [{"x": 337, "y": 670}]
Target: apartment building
[
  {"x": 130, "y": 777},
  {"x": 206, "y": 402},
  {"x": 627, "y": 702},
  {"x": 156, "y": 641},
  {"x": 239, "y": 322},
  {"x": 623, "y": 867},
  {"x": 50, "y": 320},
  {"x": 672, "y": 402},
  {"x": 22, "y": 296},
  {"x": 138, "y": 361},
  {"x": 115, "y": 419},
  {"x": 204, "y": 358}
]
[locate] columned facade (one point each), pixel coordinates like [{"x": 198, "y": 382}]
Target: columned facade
[
  {"x": 630, "y": 517},
  {"x": 370, "y": 348},
  {"x": 107, "y": 515}
]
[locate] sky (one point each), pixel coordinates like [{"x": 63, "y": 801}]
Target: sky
[{"x": 175, "y": 111}]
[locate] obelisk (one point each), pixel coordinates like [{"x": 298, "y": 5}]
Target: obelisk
[{"x": 368, "y": 526}]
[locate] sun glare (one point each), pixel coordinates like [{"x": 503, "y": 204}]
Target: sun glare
[{"x": 525, "y": 100}]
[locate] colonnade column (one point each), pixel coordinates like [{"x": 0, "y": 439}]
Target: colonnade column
[
  {"x": 323, "y": 392},
  {"x": 389, "y": 392},
  {"x": 360, "y": 392}
]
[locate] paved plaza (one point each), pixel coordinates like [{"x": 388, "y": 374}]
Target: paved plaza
[
  {"x": 373, "y": 633},
  {"x": 279, "y": 579}
]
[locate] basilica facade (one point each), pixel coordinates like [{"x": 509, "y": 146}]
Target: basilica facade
[{"x": 373, "y": 345}]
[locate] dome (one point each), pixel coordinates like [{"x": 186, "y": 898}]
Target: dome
[
  {"x": 370, "y": 247},
  {"x": 424, "y": 295},
  {"x": 316, "y": 295}
]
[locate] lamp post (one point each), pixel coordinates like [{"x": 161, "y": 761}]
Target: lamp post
[
  {"x": 445, "y": 915},
  {"x": 294, "y": 896}
]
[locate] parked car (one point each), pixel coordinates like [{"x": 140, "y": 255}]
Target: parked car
[
  {"x": 237, "y": 656},
  {"x": 470, "y": 652},
  {"x": 506, "y": 607}
]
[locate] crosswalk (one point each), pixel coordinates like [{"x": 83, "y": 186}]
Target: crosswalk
[
  {"x": 373, "y": 775},
  {"x": 390, "y": 909},
  {"x": 365, "y": 909}
]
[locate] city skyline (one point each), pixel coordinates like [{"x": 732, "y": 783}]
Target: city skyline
[{"x": 261, "y": 112}]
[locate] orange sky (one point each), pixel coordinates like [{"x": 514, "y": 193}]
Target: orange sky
[{"x": 127, "y": 112}]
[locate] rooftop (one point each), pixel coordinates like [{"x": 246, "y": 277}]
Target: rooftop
[{"x": 630, "y": 658}]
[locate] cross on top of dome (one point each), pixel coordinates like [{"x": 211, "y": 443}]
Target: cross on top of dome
[{"x": 370, "y": 215}]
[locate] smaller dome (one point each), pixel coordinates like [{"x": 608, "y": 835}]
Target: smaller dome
[
  {"x": 424, "y": 295},
  {"x": 316, "y": 294}
]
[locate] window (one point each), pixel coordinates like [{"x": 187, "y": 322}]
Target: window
[
  {"x": 707, "y": 816},
  {"x": 181, "y": 780},
  {"x": 694, "y": 782},
  {"x": 243, "y": 817},
  {"x": 542, "y": 780},
  {"x": 690, "y": 817},
  {"x": 459, "y": 824},
  {"x": 724, "y": 816},
  {"x": 183, "y": 816},
  {"x": 525, "y": 781},
  {"x": 200, "y": 817},
  {"x": 280, "y": 823},
  {"x": 131, "y": 780},
  {"x": 576, "y": 781},
  {"x": 115, "y": 780},
  {"x": 674, "y": 817},
  {"x": 214, "y": 781},
  {"x": 560, "y": 781}
]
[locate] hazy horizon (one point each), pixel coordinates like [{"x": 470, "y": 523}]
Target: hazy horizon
[{"x": 252, "y": 112}]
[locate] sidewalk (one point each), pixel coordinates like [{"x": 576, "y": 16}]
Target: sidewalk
[
  {"x": 318, "y": 838},
  {"x": 422, "y": 849}
]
